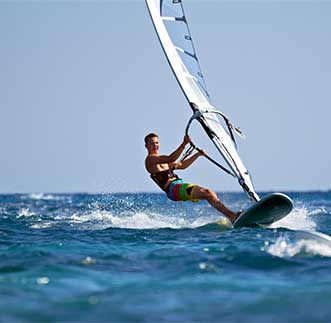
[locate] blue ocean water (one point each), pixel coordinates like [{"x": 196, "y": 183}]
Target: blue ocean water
[{"x": 142, "y": 258}]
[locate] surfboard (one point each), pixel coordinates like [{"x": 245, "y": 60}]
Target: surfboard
[{"x": 269, "y": 209}]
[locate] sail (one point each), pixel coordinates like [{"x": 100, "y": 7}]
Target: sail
[{"x": 172, "y": 28}]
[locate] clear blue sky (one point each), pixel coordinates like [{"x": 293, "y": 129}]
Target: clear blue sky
[{"x": 81, "y": 83}]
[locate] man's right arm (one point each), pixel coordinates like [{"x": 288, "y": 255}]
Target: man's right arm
[
  {"x": 175, "y": 155},
  {"x": 167, "y": 159}
]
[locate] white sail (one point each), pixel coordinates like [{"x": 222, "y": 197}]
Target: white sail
[{"x": 172, "y": 29}]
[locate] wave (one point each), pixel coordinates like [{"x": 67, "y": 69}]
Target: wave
[
  {"x": 139, "y": 220},
  {"x": 25, "y": 213},
  {"x": 47, "y": 197},
  {"x": 302, "y": 243}
]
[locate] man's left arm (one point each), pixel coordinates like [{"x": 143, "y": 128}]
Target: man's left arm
[{"x": 188, "y": 162}]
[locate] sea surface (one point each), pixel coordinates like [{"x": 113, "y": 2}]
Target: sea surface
[{"x": 142, "y": 258}]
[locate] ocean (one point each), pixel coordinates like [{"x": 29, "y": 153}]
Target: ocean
[{"x": 142, "y": 258}]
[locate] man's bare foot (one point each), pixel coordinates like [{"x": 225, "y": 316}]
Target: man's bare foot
[{"x": 237, "y": 215}]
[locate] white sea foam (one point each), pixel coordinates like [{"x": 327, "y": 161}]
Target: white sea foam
[
  {"x": 299, "y": 219},
  {"x": 307, "y": 244},
  {"x": 143, "y": 220},
  {"x": 318, "y": 211},
  {"x": 304, "y": 239},
  {"x": 43, "y": 196},
  {"x": 41, "y": 225},
  {"x": 37, "y": 196},
  {"x": 138, "y": 220},
  {"x": 25, "y": 212}
]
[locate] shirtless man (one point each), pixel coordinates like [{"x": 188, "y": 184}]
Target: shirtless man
[{"x": 161, "y": 169}]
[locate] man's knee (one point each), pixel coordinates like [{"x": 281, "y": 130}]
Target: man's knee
[{"x": 208, "y": 193}]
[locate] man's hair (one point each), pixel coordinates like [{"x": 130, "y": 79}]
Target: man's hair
[{"x": 150, "y": 135}]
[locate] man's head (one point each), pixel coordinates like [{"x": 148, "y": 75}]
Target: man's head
[{"x": 152, "y": 143}]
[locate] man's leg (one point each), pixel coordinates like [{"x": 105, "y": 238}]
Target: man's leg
[{"x": 209, "y": 195}]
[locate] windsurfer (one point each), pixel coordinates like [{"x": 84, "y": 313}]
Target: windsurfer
[{"x": 161, "y": 168}]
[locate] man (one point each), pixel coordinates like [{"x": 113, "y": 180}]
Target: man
[{"x": 161, "y": 169}]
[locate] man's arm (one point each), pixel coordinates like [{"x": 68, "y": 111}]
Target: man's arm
[
  {"x": 168, "y": 159},
  {"x": 187, "y": 162}
]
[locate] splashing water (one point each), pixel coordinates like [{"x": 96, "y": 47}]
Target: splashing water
[
  {"x": 299, "y": 219},
  {"x": 99, "y": 220},
  {"x": 25, "y": 212},
  {"x": 283, "y": 247}
]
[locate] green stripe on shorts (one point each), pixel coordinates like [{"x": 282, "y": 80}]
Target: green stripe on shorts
[{"x": 182, "y": 192}]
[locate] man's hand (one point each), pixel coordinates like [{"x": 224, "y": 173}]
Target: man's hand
[
  {"x": 175, "y": 165},
  {"x": 186, "y": 140},
  {"x": 202, "y": 152}
]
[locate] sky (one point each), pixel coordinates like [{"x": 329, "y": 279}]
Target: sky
[{"x": 82, "y": 83}]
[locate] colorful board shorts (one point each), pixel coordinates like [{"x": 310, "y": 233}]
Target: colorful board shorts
[{"x": 180, "y": 191}]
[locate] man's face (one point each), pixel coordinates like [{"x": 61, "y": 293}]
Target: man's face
[{"x": 153, "y": 144}]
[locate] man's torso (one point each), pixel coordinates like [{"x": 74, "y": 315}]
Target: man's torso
[{"x": 153, "y": 167}]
